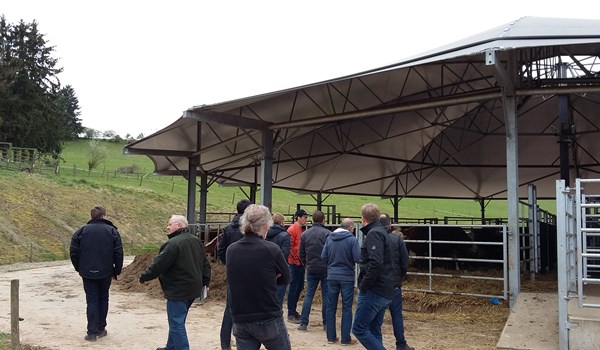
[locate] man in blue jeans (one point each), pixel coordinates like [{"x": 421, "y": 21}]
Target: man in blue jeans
[
  {"x": 296, "y": 268},
  {"x": 376, "y": 280},
  {"x": 311, "y": 247},
  {"x": 400, "y": 256},
  {"x": 183, "y": 271},
  {"x": 341, "y": 252}
]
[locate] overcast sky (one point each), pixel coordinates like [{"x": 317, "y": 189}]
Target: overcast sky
[{"x": 137, "y": 65}]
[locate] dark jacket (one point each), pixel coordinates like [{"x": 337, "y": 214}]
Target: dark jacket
[
  {"x": 252, "y": 266},
  {"x": 96, "y": 250},
  {"x": 400, "y": 254},
  {"x": 340, "y": 253},
  {"x": 377, "y": 267},
  {"x": 181, "y": 267},
  {"x": 312, "y": 242},
  {"x": 231, "y": 234},
  {"x": 279, "y": 235}
]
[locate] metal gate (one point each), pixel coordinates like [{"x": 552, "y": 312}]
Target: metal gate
[{"x": 578, "y": 230}]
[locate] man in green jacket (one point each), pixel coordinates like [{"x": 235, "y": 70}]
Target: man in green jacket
[{"x": 183, "y": 270}]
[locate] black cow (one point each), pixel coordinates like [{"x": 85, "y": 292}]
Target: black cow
[
  {"x": 489, "y": 245},
  {"x": 441, "y": 247}
]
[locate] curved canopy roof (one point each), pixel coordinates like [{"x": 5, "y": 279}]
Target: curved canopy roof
[{"x": 429, "y": 126}]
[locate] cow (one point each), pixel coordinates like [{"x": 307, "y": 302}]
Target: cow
[
  {"x": 442, "y": 246},
  {"x": 489, "y": 245}
]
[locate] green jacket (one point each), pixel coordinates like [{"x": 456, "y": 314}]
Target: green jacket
[{"x": 181, "y": 267}]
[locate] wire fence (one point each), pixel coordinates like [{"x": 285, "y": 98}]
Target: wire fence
[
  {"x": 124, "y": 175},
  {"x": 34, "y": 252}
]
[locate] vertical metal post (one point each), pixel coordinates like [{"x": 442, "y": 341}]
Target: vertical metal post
[
  {"x": 203, "y": 198},
  {"x": 562, "y": 264},
  {"x": 266, "y": 169},
  {"x": 564, "y": 119},
  {"x": 191, "y": 189},
  {"x": 512, "y": 177}
]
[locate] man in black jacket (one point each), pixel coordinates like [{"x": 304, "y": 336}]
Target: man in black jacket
[
  {"x": 376, "y": 280},
  {"x": 183, "y": 271},
  {"x": 97, "y": 254},
  {"x": 400, "y": 257},
  {"x": 231, "y": 234},
  {"x": 254, "y": 269},
  {"x": 311, "y": 247}
]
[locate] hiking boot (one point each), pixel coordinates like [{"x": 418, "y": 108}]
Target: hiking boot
[
  {"x": 90, "y": 337},
  {"x": 294, "y": 319},
  {"x": 102, "y": 333},
  {"x": 302, "y": 327},
  {"x": 332, "y": 341},
  {"x": 351, "y": 342}
]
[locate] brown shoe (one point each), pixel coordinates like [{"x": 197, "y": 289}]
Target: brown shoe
[
  {"x": 102, "y": 333},
  {"x": 90, "y": 337},
  {"x": 351, "y": 342},
  {"x": 332, "y": 341}
]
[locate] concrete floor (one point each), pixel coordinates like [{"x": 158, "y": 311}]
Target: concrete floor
[{"x": 532, "y": 323}]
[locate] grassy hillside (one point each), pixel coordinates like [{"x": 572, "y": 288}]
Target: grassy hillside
[{"x": 40, "y": 211}]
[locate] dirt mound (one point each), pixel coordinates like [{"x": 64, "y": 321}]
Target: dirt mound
[{"x": 129, "y": 279}]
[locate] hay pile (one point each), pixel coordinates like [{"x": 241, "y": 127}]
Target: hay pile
[{"x": 129, "y": 279}]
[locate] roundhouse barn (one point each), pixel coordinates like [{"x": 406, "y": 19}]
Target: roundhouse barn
[{"x": 500, "y": 115}]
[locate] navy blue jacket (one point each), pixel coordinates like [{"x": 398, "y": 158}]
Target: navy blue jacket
[
  {"x": 341, "y": 252},
  {"x": 96, "y": 250},
  {"x": 279, "y": 235},
  {"x": 231, "y": 234},
  {"x": 400, "y": 254}
]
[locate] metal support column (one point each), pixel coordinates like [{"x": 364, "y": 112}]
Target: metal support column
[
  {"x": 266, "y": 169},
  {"x": 191, "y": 189}
]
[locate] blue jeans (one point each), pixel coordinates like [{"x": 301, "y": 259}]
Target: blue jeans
[
  {"x": 271, "y": 333},
  {"x": 226, "y": 325},
  {"x": 368, "y": 319},
  {"x": 397, "y": 320},
  {"x": 96, "y": 297},
  {"x": 312, "y": 281},
  {"x": 347, "y": 289},
  {"x": 177, "y": 311},
  {"x": 281, "y": 288},
  {"x": 296, "y": 287}
]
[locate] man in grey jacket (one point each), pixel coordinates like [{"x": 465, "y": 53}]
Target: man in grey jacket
[{"x": 311, "y": 246}]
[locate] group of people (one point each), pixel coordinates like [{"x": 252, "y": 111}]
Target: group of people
[
  {"x": 256, "y": 246},
  {"x": 263, "y": 261}
]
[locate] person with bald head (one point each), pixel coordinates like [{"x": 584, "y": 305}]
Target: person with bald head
[{"x": 341, "y": 253}]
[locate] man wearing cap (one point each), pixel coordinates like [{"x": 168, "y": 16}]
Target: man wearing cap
[{"x": 296, "y": 268}]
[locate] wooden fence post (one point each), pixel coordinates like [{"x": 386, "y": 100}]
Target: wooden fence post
[{"x": 14, "y": 315}]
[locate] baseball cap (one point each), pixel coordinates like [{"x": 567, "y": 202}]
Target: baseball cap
[{"x": 299, "y": 213}]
